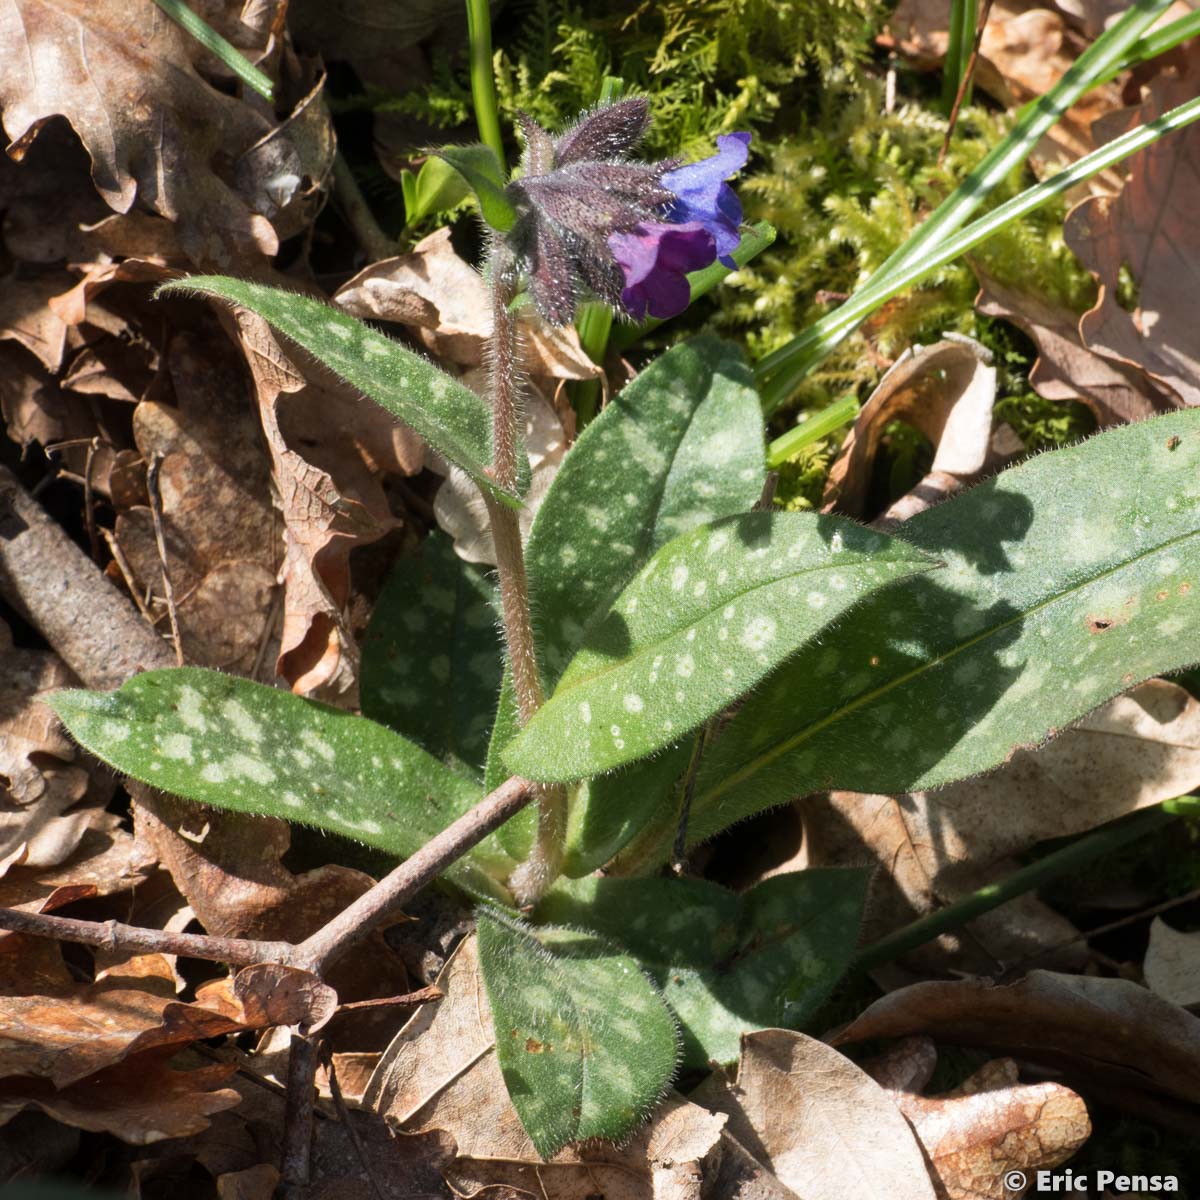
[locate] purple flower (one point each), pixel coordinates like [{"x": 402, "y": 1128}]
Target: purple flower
[
  {"x": 703, "y": 196},
  {"x": 655, "y": 259},
  {"x": 591, "y": 221}
]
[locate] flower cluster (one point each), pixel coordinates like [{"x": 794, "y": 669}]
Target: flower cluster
[{"x": 591, "y": 220}]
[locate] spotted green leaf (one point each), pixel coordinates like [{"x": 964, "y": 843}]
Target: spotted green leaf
[
  {"x": 238, "y": 745},
  {"x": 707, "y": 617},
  {"x": 586, "y": 1043},
  {"x": 1068, "y": 579},
  {"x": 680, "y": 445},
  {"x": 480, "y": 169},
  {"x": 727, "y": 963},
  {"x": 449, "y": 416},
  {"x": 431, "y": 654}
]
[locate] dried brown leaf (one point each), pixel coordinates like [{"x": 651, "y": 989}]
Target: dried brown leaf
[
  {"x": 332, "y": 501},
  {"x": 947, "y": 391},
  {"x": 125, "y": 78},
  {"x": 1093, "y": 1029},
  {"x": 1172, "y": 966},
  {"x": 1065, "y": 369},
  {"x": 990, "y": 1124},
  {"x": 819, "y": 1123},
  {"x": 1149, "y": 229}
]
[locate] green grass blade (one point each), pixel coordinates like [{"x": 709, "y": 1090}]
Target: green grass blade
[
  {"x": 483, "y": 81},
  {"x": 210, "y": 39}
]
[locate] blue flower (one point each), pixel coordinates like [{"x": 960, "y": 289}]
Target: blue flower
[
  {"x": 703, "y": 196},
  {"x": 655, "y": 259}
]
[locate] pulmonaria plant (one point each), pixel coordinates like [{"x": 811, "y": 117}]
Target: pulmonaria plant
[
  {"x": 590, "y": 220},
  {"x": 820, "y": 654}
]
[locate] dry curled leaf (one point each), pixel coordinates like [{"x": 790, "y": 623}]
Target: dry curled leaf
[
  {"x": 816, "y": 1121},
  {"x": 1095, "y": 1030},
  {"x": 441, "y": 1073},
  {"x": 1150, "y": 231},
  {"x": 1135, "y": 751},
  {"x": 990, "y": 1124},
  {"x": 1172, "y": 966},
  {"x": 947, "y": 391}
]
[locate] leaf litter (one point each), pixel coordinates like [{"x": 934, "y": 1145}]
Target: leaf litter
[{"x": 274, "y": 482}]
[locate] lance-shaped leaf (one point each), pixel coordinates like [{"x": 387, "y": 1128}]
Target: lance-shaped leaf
[
  {"x": 709, "y": 616},
  {"x": 431, "y": 654},
  {"x": 727, "y": 963},
  {"x": 481, "y": 170},
  {"x": 449, "y": 416},
  {"x": 1069, "y": 579},
  {"x": 239, "y": 745},
  {"x": 680, "y": 445},
  {"x": 586, "y": 1043}
]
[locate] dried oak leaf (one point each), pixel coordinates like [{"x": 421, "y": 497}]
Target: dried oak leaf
[
  {"x": 1066, "y": 369},
  {"x": 124, "y": 75},
  {"x": 446, "y": 305},
  {"x": 1104, "y": 1031},
  {"x": 947, "y": 391},
  {"x": 441, "y": 1073},
  {"x": 1172, "y": 966},
  {"x": 332, "y": 501},
  {"x": 1133, "y": 752},
  {"x": 817, "y": 1122},
  {"x": 988, "y": 1125},
  {"x": 1149, "y": 230}
]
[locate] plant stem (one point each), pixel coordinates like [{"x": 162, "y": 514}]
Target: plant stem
[
  {"x": 358, "y": 213},
  {"x": 483, "y": 82},
  {"x": 534, "y": 875},
  {"x": 1088, "y": 848},
  {"x": 783, "y": 370}
]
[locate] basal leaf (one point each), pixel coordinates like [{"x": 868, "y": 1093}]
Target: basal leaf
[
  {"x": 448, "y": 415},
  {"x": 680, "y": 445},
  {"x": 238, "y": 745},
  {"x": 707, "y": 617},
  {"x": 431, "y": 655},
  {"x": 481, "y": 169},
  {"x": 1068, "y": 579},
  {"x": 586, "y": 1043},
  {"x": 728, "y": 964}
]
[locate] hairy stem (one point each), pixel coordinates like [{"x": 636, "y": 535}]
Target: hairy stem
[{"x": 532, "y": 878}]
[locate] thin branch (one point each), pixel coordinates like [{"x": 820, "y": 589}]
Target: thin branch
[
  {"x": 965, "y": 83},
  {"x": 116, "y": 937},
  {"x": 358, "y": 214},
  {"x": 295, "y": 1167},
  {"x": 329, "y": 943}
]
